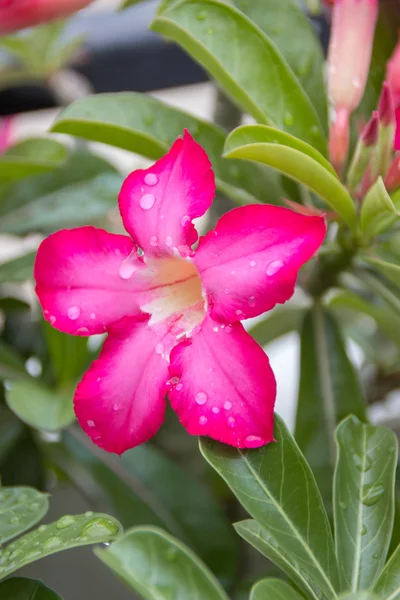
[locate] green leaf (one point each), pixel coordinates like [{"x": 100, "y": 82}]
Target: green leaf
[
  {"x": 329, "y": 390},
  {"x": 31, "y": 157},
  {"x": 40, "y": 406},
  {"x": 390, "y": 270},
  {"x": 20, "y": 509},
  {"x": 21, "y": 588},
  {"x": 293, "y": 162},
  {"x": 156, "y": 565},
  {"x": 279, "y": 322},
  {"x": 288, "y": 27},
  {"x": 69, "y": 355},
  {"x": 273, "y": 588},
  {"x": 142, "y": 124},
  {"x": 363, "y": 500},
  {"x": 145, "y": 487},
  {"x": 388, "y": 585},
  {"x": 377, "y": 211},
  {"x": 268, "y": 483},
  {"x": 364, "y": 595},
  {"x": 70, "y": 531},
  {"x": 11, "y": 364},
  {"x": 80, "y": 191},
  {"x": 128, "y": 3},
  {"x": 18, "y": 269},
  {"x": 218, "y": 36}
]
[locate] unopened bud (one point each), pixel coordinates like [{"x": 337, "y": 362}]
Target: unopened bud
[
  {"x": 339, "y": 136},
  {"x": 364, "y": 150},
  {"x": 392, "y": 179}
]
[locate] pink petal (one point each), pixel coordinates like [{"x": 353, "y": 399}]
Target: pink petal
[
  {"x": 223, "y": 386},
  {"x": 397, "y": 134},
  {"x": 250, "y": 261},
  {"x": 120, "y": 401},
  {"x": 82, "y": 279},
  {"x": 158, "y": 204}
]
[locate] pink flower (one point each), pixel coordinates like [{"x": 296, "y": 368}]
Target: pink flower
[
  {"x": 17, "y": 14},
  {"x": 173, "y": 314}
]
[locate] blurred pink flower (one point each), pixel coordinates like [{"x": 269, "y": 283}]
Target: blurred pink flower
[
  {"x": 173, "y": 313},
  {"x": 18, "y": 14}
]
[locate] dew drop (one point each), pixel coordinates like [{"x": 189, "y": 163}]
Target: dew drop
[
  {"x": 98, "y": 528},
  {"x": 160, "y": 348},
  {"x": 375, "y": 556},
  {"x": 90, "y": 423},
  {"x": 168, "y": 240},
  {"x": 314, "y": 130},
  {"x": 362, "y": 463},
  {"x": 373, "y": 494},
  {"x": 14, "y": 520},
  {"x": 42, "y": 528},
  {"x": 147, "y": 201},
  {"x": 82, "y": 331},
  {"x": 153, "y": 241},
  {"x": 216, "y": 329},
  {"x": 185, "y": 220},
  {"x": 252, "y": 263},
  {"x": 203, "y": 420},
  {"x": 342, "y": 505},
  {"x": 151, "y": 179},
  {"x": 252, "y": 301},
  {"x": 53, "y": 542},
  {"x": 14, "y": 554},
  {"x": 52, "y": 320},
  {"x": 288, "y": 119},
  {"x": 65, "y": 521},
  {"x": 215, "y": 410},
  {"x": 364, "y": 530},
  {"x": 35, "y": 506},
  {"x": 231, "y": 422},
  {"x": 129, "y": 265},
  {"x": 239, "y": 312},
  {"x": 253, "y": 441},
  {"x": 228, "y": 329},
  {"x": 227, "y": 405},
  {"x": 92, "y": 315},
  {"x": 274, "y": 267},
  {"x": 89, "y": 513},
  {"x": 178, "y": 387},
  {"x": 356, "y": 81},
  {"x": 201, "y": 15},
  {"x": 74, "y": 312},
  {"x": 201, "y": 398},
  {"x": 115, "y": 407}
]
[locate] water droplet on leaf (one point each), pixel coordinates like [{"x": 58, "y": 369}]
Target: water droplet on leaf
[
  {"x": 65, "y": 521},
  {"x": 53, "y": 542},
  {"x": 372, "y": 494},
  {"x": 201, "y": 15},
  {"x": 98, "y": 528}
]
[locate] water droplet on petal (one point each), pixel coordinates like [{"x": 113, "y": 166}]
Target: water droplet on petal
[
  {"x": 115, "y": 407},
  {"x": 147, "y": 201},
  {"x": 153, "y": 241},
  {"x": 178, "y": 387},
  {"x": 238, "y": 312},
  {"x": 168, "y": 240},
  {"x": 98, "y": 528},
  {"x": 231, "y": 422},
  {"x": 151, "y": 179},
  {"x": 253, "y": 441},
  {"x": 160, "y": 348},
  {"x": 227, "y": 405},
  {"x": 216, "y": 329},
  {"x": 129, "y": 265},
  {"x": 201, "y": 398},
  {"x": 82, "y": 331},
  {"x": 52, "y": 320},
  {"x": 92, "y": 315},
  {"x": 356, "y": 81},
  {"x": 228, "y": 329},
  {"x": 203, "y": 420},
  {"x": 274, "y": 267},
  {"x": 65, "y": 521},
  {"x": 74, "y": 312},
  {"x": 185, "y": 220},
  {"x": 91, "y": 423},
  {"x": 215, "y": 410},
  {"x": 252, "y": 263},
  {"x": 252, "y": 301}
]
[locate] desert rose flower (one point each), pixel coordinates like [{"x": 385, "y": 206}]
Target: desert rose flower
[
  {"x": 173, "y": 313},
  {"x": 18, "y": 14}
]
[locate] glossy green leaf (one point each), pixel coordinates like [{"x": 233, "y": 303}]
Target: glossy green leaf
[
  {"x": 377, "y": 211},
  {"x": 288, "y": 27},
  {"x": 31, "y": 157},
  {"x": 40, "y": 406},
  {"x": 21, "y": 588},
  {"x": 11, "y": 364},
  {"x": 294, "y": 163},
  {"x": 79, "y": 192},
  {"x": 149, "y": 127},
  {"x": 69, "y": 355},
  {"x": 273, "y": 589},
  {"x": 268, "y": 482},
  {"x": 144, "y": 486},
  {"x": 70, "y": 531},
  {"x": 277, "y": 323},
  {"x": 364, "y": 595},
  {"x": 329, "y": 390},
  {"x": 388, "y": 585},
  {"x": 18, "y": 269},
  {"x": 20, "y": 509},
  {"x": 10, "y": 430},
  {"x": 218, "y": 36},
  {"x": 382, "y": 290},
  {"x": 157, "y": 565},
  {"x": 128, "y": 3},
  {"x": 23, "y": 462},
  {"x": 390, "y": 270},
  {"x": 363, "y": 500}
]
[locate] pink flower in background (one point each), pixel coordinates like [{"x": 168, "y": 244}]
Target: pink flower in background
[
  {"x": 18, "y": 14},
  {"x": 5, "y": 133},
  {"x": 173, "y": 313}
]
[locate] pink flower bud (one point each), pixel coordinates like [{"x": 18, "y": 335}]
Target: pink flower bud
[
  {"x": 5, "y": 133},
  {"x": 393, "y": 75},
  {"x": 339, "y": 136},
  {"x": 18, "y": 14},
  {"x": 386, "y": 106},
  {"x": 350, "y": 47}
]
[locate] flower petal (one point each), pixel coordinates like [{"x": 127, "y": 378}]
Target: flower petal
[
  {"x": 250, "y": 261},
  {"x": 82, "y": 279},
  {"x": 120, "y": 402},
  {"x": 158, "y": 204},
  {"x": 223, "y": 386}
]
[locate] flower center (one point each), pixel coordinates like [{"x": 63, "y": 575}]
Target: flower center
[{"x": 174, "y": 289}]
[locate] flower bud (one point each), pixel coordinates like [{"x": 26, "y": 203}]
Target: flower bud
[{"x": 364, "y": 150}]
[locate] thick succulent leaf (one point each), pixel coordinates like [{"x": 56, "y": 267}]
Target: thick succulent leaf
[
  {"x": 18, "y": 269},
  {"x": 40, "y": 406},
  {"x": 82, "y": 190},
  {"x": 378, "y": 212},
  {"x": 157, "y": 565},
  {"x": 70, "y": 531},
  {"x": 288, "y": 157},
  {"x": 363, "y": 500},
  {"x": 20, "y": 509},
  {"x": 149, "y": 127},
  {"x": 31, "y": 157},
  {"x": 21, "y": 588},
  {"x": 390, "y": 270},
  {"x": 218, "y": 36},
  {"x": 11, "y": 364},
  {"x": 144, "y": 486},
  {"x": 329, "y": 391},
  {"x": 268, "y": 482},
  {"x": 364, "y": 595},
  {"x": 388, "y": 585},
  {"x": 273, "y": 588},
  {"x": 276, "y": 324}
]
